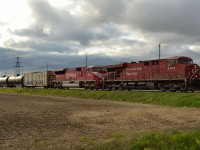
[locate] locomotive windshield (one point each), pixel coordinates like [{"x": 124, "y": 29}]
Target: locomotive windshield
[
  {"x": 95, "y": 69},
  {"x": 185, "y": 61}
]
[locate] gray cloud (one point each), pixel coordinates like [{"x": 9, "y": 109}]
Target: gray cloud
[
  {"x": 61, "y": 24},
  {"x": 115, "y": 30},
  {"x": 37, "y": 61},
  {"x": 109, "y": 10},
  {"x": 37, "y": 32},
  {"x": 45, "y": 46},
  {"x": 179, "y": 17}
]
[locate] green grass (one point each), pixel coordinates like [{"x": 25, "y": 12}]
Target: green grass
[
  {"x": 146, "y": 141},
  {"x": 154, "y": 98}
]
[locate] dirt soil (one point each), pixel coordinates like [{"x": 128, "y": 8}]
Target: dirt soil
[{"x": 47, "y": 122}]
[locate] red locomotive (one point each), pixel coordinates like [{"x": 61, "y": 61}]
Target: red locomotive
[
  {"x": 175, "y": 73},
  {"x": 83, "y": 77}
]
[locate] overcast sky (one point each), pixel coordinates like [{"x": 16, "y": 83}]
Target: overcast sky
[{"x": 63, "y": 32}]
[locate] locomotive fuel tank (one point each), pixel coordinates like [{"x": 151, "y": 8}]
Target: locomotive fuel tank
[{"x": 68, "y": 84}]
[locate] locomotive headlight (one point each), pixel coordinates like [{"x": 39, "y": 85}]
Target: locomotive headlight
[
  {"x": 194, "y": 70},
  {"x": 195, "y": 66}
]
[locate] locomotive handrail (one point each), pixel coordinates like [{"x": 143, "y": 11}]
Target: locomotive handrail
[
  {"x": 192, "y": 76},
  {"x": 187, "y": 76}
]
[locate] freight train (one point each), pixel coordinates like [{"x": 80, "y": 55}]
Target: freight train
[{"x": 174, "y": 73}]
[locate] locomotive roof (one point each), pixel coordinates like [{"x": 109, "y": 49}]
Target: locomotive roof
[
  {"x": 177, "y": 57},
  {"x": 94, "y": 66},
  {"x": 121, "y": 65},
  {"x": 58, "y": 70},
  {"x": 115, "y": 66}
]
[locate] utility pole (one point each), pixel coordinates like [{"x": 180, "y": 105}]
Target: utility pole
[
  {"x": 159, "y": 50},
  {"x": 17, "y": 66},
  {"x": 86, "y": 70},
  {"x": 47, "y": 66},
  {"x": 86, "y": 61},
  {"x": 159, "y": 69}
]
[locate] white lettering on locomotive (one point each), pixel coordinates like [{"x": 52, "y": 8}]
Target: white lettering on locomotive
[
  {"x": 171, "y": 68},
  {"x": 134, "y": 69},
  {"x": 131, "y": 73},
  {"x": 71, "y": 75}
]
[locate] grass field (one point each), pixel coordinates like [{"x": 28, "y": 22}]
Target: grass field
[
  {"x": 154, "y": 98},
  {"x": 148, "y": 140}
]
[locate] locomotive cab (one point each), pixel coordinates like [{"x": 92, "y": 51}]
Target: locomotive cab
[
  {"x": 175, "y": 61},
  {"x": 191, "y": 69},
  {"x": 94, "y": 76},
  {"x": 183, "y": 69},
  {"x": 95, "y": 72}
]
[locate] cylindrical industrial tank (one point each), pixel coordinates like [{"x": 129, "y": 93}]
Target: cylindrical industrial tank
[
  {"x": 15, "y": 80},
  {"x": 3, "y": 81}
]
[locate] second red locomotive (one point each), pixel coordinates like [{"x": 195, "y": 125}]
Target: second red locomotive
[{"x": 83, "y": 77}]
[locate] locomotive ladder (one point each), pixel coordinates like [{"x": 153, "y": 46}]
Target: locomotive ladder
[{"x": 189, "y": 79}]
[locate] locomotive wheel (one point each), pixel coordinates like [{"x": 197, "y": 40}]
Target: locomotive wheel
[
  {"x": 121, "y": 88},
  {"x": 172, "y": 87},
  {"x": 162, "y": 87},
  {"x": 114, "y": 88},
  {"x": 184, "y": 90},
  {"x": 172, "y": 90},
  {"x": 129, "y": 89}
]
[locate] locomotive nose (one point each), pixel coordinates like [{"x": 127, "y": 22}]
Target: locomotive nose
[{"x": 195, "y": 70}]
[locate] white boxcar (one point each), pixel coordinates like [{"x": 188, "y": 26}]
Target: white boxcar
[{"x": 38, "y": 79}]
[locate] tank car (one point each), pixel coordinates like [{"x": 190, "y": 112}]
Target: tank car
[
  {"x": 11, "y": 81},
  {"x": 3, "y": 81}
]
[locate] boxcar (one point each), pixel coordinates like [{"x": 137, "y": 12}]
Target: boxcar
[{"x": 38, "y": 79}]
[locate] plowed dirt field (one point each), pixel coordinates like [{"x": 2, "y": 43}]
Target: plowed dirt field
[{"x": 47, "y": 122}]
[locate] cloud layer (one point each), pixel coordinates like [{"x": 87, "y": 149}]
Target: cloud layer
[{"x": 118, "y": 29}]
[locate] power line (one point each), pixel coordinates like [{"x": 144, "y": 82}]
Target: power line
[{"x": 18, "y": 66}]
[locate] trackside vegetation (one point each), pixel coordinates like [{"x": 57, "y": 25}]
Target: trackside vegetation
[
  {"x": 146, "y": 141},
  {"x": 154, "y": 98}
]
